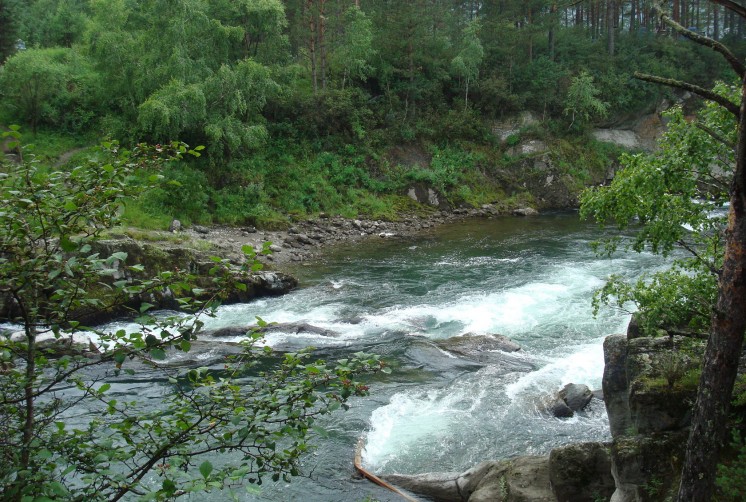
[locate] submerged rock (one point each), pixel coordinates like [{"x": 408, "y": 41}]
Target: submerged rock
[
  {"x": 478, "y": 347},
  {"x": 295, "y": 328}
]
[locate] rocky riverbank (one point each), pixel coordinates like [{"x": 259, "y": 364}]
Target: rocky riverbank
[
  {"x": 649, "y": 387},
  {"x": 307, "y": 239}
]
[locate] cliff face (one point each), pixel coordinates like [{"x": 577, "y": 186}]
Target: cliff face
[{"x": 649, "y": 398}]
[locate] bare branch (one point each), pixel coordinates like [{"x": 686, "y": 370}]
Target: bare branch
[
  {"x": 699, "y": 91},
  {"x": 734, "y": 62},
  {"x": 732, "y": 6}
]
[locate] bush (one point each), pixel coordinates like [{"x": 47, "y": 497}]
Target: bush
[{"x": 50, "y": 87}]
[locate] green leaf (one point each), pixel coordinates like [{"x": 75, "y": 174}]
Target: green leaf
[
  {"x": 205, "y": 468},
  {"x": 119, "y": 255},
  {"x": 158, "y": 354},
  {"x": 67, "y": 245},
  {"x": 186, "y": 346}
]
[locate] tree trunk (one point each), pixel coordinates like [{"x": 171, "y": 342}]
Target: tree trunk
[
  {"x": 322, "y": 42},
  {"x": 312, "y": 43},
  {"x": 715, "y": 22},
  {"x": 720, "y": 365},
  {"x": 610, "y": 32},
  {"x": 552, "y": 26}
]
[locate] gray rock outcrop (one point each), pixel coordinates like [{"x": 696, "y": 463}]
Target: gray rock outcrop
[
  {"x": 522, "y": 479},
  {"x": 581, "y": 472},
  {"x": 649, "y": 409}
]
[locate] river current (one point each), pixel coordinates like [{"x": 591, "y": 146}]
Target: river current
[{"x": 531, "y": 279}]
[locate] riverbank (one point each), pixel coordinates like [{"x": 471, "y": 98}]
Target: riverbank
[{"x": 305, "y": 240}]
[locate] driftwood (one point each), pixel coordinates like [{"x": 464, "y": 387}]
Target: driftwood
[{"x": 372, "y": 477}]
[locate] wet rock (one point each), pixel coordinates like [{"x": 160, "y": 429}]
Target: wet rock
[
  {"x": 576, "y": 396},
  {"x": 201, "y": 353},
  {"x": 478, "y": 347},
  {"x": 558, "y": 408},
  {"x": 438, "y": 355},
  {"x": 175, "y": 226},
  {"x": 525, "y": 211},
  {"x": 295, "y": 328},
  {"x": 200, "y": 229},
  {"x": 275, "y": 248},
  {"x": 522, "y": 479},
  {"x": 567, "y": 401},
  {"x": 437, "y": 486}
]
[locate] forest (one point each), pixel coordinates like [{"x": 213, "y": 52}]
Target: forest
[{"x": 306, "y": 106}]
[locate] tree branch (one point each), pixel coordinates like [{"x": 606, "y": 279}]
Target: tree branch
[
  {"x": 732, "y": 6},
  {"x": 699, "y": 91},
  {"x": 734, "y": 62},
  {"x": 715, "y": 135}
]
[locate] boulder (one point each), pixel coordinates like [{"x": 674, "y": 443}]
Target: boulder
[
  {"x": 571, "y": 398},
  {"x": 437, "y": 486},
  {"x": 646, "y": 468},
  {"x": 522, "y": 479},
  {"x": 558, "y": 408},
  {"x": 581, "y": 472},
  {"x": 525, "y": 211},
  {"x": 576, "y": 396},
  {"x": 477, "y": 346}
]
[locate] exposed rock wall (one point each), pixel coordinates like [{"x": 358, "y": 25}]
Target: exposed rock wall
[{"x": 648, "y": 416}]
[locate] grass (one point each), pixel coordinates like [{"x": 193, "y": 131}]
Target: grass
[{"x": 48, "y": 146}]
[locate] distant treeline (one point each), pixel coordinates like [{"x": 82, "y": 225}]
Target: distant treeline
[{"x": 253, "y": 79}]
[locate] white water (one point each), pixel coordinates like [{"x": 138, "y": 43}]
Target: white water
[{"x": 529, "y": 279}]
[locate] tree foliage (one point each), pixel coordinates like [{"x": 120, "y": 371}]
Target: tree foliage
[
  {"x": 726, "y": 261},
  {"x": 257, "y": 422},
  {"x": 582, "y": 100}
]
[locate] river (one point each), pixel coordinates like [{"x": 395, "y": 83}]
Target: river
[{"x": 531, "y": 279}]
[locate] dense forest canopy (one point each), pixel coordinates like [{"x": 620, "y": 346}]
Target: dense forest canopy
[{"x": 326, "y": 87}]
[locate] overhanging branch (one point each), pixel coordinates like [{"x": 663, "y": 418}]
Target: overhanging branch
[
  {"x": 699, "y": 91},
  {"x": 732, "y": 6},
  {"x": 734, "y": 62}
]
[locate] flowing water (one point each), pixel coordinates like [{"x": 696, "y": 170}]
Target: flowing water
[{"x": 529, "y": 279}]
